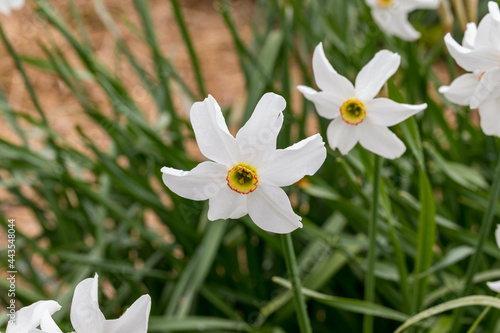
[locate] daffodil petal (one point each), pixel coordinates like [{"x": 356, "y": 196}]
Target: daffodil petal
[
  {"x": 4, "y": 8},
  {"x": 293, "y": 163},
  {"x": 385, "y": 112},
  {"x": 257, "y": 138},
  {"x": 494, "y": 286},
  {"x": 497, "y": 235},
  {"x": 328, "y": 79},
  {"x": 134, "y": 320},
  {"x": 30, "y": 317},
  {"x": 86, "y": 317},
  {"x": 47, "y": 324},
  {"x": 470, "y": 36},
  {"x": 270, "y": 209},
  {"x": 490, "y": 116},
  {"x": 395, "y": 23},
  {"x": 211, "y": 132},
  {"x": 486, "y": 88},
  {"x": 227, "y": 204},
  {"x": 479, "y": 59},
  {"x": 374, "y": 74},
  {"x": 201, "y": 183},
  {"x": 410, "y": 5},
  {"x": 16, "y": 4},
  {"x": 461, "y": 89},
  {"x": 325, "y": 106},
  {"x": 380, "y": 140},
  {"x": 342, "y": 136}
]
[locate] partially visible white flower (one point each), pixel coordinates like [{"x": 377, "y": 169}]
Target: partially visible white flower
[
  {"x": 495, "y": 286},
  {"x": 479, "y": 54},
  {"x": 358, "y": 116},
  {"x": 86, "y": 316},
  {"x": 247, "y": 170},
  {"x": 38, "y": 314},
  {"x": 392, "y": 16},
  {"x": 7, "y": 5}
]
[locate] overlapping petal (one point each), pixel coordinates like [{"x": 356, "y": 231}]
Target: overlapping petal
[
  {"x": 270, "y": 209},
  {"x": 30, "y": 317},
  {"x": 134, "y": 320},
  {"x": 86, "y": 317},
  {"x": 326, "y": 106},
  {"x": 342, "y": 136},
  {"x": 293, "y": 163},
  {"x": 257, "y": 138},
  {"x": 385, "y": 112},
  {"x": 395, "y": 23},
  {"x": 470, "y": 36},
  {"x": 374, "y": 74},
  {"x": 328, "y": 79},
  {"x": 212, "y": 134},
  {"x": 478, "y": 59},
  {"x": 487, "y": 87},
  {"x": 380, "y": 140},
  {"x": 201, "y": 183},
  {"x": 227, "y": 204},
  {"x": 489, "y": 113},
  {"x": 461, "y": 89}
]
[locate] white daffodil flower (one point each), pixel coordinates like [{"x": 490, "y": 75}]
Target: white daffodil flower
[
  {"x": 86, "y": 317},
  {"x": 7, "y": 5},
  {"x": 246, "y": 171},
  {"x": 495, "y": 286},
  {"x": 392, "y": 16},
  {"x": 479, "y": 54},
  {"x": 29, "y": 318},
  {"x": 357, "y": 115}
]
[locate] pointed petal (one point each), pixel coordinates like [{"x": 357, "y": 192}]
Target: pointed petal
[
  {"x": 134, "y": 320},
  {"x": 257, "y": 138},
  {"x": 16, "y": 4},
  {"x": 480, "y": 59},
  {"x": 411, "y": 5},
  {"x": 490, "y": 117},
  {"x": 486, "y": 88},
  {"x": 293, "y": 163},
  {"x": 497, "y": 235},
  {"x": 374, "y": 74},
  {"x": 342, "y": 135},
  {"x": 461, "y": 89},
  {"x": 380, "y": 140},
  {"x": 470, "y": 35},
  {"x": 201, "y": 183},
  {"x": 211, "y": 132},
  {"x": 328, "y": 79},
  {"x": 495, "y": 286},
  {"x": 325, "y": 106},
  {"x": 385, "y": 112},
  {"x": 30, "y": 317},
  {"x": 270, "y": 209},
  {"x": 47, "y": 324},
  {"x": 86, "y": 317},
  {"x": 228, "y": 204}
]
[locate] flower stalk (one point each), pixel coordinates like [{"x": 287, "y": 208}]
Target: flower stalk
[
  {"x": 486, "y": 225},
  {"x": 293, "y": 272},
  {"x": 372, "y": 236}
]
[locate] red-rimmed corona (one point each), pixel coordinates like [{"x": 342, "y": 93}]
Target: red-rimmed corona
[
  {"x": 353, "y": 111},
  {"x": 242, "y": 179}
]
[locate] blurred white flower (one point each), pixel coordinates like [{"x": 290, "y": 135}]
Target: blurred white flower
[
  {"x": 357, "y": 115},
  {"x": 392, "y": 16},
  {"x": 7, "y": 5},
  {"x": 479, "y": 54},
  {"x": 86, "y": 316},
  {"x": 495, "y": 286},
  {"x": 38, "y": 314},
  {"x": 247, "y": 170}
]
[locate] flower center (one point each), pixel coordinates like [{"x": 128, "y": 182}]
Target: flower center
[
  {"x": 353, "y": 111},
  {"x": 384, "y": 3},
  {"x": 481, "y": 76},
  {"x": 242, "y": 179}
]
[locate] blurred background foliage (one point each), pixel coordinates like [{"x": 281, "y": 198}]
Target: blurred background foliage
[{"x": 88, "y": 197}]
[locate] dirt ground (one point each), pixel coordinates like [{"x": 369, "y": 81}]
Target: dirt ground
[{"x": 209, "y": 33}]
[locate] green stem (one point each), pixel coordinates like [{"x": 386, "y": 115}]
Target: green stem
[
  {"x": 372, "y": 234},
  {"x": 293, "y": 271},
  {"x": 486, "y": 225},
  {"x": 479, "y": 320}
]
